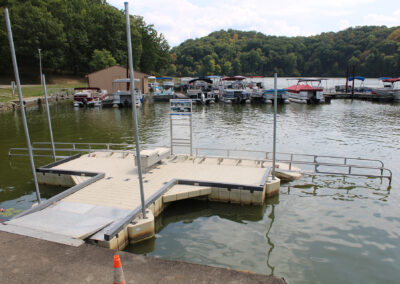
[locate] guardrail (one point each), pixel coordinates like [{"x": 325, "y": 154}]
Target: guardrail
[{"x": 316, "y": 162}]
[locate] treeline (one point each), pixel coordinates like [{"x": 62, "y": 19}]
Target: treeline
[
  {"x": 374, "y": 50},
  {"x": 78, "y": 36}
]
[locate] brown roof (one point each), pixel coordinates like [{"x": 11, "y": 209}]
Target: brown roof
[{"x": 144, "y": 74}]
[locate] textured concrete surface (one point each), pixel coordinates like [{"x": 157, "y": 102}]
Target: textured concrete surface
[{"x": 29, "y": 260}]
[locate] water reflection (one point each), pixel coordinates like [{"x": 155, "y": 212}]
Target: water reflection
[
  {"x": 187, "y": 218},
  {"x": 326, "y": 229}
]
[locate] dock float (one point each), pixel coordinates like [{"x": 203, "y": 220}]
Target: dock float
[
  {"x": 102, "y": 205},
  {"x": 360, "y": 96}
]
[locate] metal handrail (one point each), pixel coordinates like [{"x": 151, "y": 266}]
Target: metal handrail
[
  {"x": 109, "y": 147},
  {"x": 292, "y": 155}
]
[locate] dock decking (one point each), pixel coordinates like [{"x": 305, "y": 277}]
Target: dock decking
[{"x": 91, "y": 212}]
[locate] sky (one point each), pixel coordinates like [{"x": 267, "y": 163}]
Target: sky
[{"x": 180, "y": 20}]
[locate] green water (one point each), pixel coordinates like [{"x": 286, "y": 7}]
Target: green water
[{"x": 323, "y": 229}]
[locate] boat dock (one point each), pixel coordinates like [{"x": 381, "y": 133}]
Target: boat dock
[
  {"x": 102, "y": 205},
  {"x": 360, "y": 96}
]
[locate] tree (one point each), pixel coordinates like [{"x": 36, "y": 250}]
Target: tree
[
  {"x": 101, "y": 59},
  {"x": 376, "y": 50}
]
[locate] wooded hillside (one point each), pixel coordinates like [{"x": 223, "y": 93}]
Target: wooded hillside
[
  {"x": 374, "y": 50},
  {"x": 77, "y": 36}
]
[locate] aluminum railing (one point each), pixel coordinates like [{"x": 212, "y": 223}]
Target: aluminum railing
[{"x": 315, "y": 162}]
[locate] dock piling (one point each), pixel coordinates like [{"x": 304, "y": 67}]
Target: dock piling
[
  {"x": 133, "y": 96},
  {"x": 21, "y": 101}
]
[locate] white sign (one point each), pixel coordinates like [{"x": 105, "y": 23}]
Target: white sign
[{"x": 180, "y": 107}]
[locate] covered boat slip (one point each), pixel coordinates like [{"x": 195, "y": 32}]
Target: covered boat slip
[{"x": 105, "y": 198}]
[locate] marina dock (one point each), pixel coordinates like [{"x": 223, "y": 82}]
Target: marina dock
[
  {"x": 360, "y": 96},
  {"x": 102, "y": 205}
]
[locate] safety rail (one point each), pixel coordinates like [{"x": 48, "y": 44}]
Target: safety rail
[{"x": 314, "y": 161}]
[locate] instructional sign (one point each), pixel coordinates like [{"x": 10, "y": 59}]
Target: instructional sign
[{"x": 180, "y": 107}]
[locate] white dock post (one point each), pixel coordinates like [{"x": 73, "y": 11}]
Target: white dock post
[
  {"x": 133, "y": 98},
  {"x": 48, "y": 116},
  {"x": 21, "y": 101},
  {"x": 275, "y": 111}
]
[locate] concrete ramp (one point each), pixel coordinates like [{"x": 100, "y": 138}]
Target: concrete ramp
[{"x": 74, "y": 220}]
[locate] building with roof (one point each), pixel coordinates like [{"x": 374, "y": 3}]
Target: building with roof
[{"x": 103, "y": 78}]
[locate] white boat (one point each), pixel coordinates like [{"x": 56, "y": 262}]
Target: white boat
[
  {"x": 307, "y": 91},
  {"x": 282, "y": 96},
  {"x": 121, "y": 96},
  {"x": 389, "y": 90},
  {"x": 166, "y": 91},
  {"x": 233, "y": 90},
  {"x": 201, "y": 91}
]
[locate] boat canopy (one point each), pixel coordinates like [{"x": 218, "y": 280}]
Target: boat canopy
[
  {"x": 213, "y": 77},
  {"x": 309, "y": 79},
  {"x": 87, "y": 88},
  {"x": 361, "y": 78},
  {"x": 205, "y": 79},
  {"x": 164, "y": 78},
  {"x": 384, "y": 78},
  {"x": 391, "y": 80},
  {"x": 151, "y": 77},
  {"x": 234, "y": 78},
  {"x": 299, "y": 88},
  {"x": 126, "y": 80}
]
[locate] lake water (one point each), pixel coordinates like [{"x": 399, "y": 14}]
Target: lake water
[{"x": 322, "y": 229}]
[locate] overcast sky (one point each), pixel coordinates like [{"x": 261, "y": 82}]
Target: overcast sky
[{"x": 179, "y": 20}]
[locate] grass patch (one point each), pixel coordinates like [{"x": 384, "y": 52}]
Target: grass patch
[{"x": 35, "y": 91}]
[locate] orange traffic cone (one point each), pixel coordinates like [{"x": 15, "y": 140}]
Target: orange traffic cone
[{"x": 118, "y": 272}]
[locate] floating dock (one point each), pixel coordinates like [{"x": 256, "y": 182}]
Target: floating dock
[
  {"x": 360, "y": 96},
  {"x": 102, "y": 205}
]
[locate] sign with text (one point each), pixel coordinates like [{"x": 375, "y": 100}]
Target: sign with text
[{"x": 180, "y": 107}]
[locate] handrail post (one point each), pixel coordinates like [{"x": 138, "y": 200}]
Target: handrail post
[
  {"x": 133, "y": 98},
  {"x": 21, "y": 101},
  {"x": 48, "y": 116},
  {"x": 274, "y": 136}
]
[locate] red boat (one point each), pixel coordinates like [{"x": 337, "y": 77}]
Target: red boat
[
  {"x": 89, "y": 96},
  {"x": 304, "y": 91}
]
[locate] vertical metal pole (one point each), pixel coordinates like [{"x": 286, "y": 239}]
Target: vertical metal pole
[
  {"x": 170, "y": 132},
  {"x": 40, "y": 66},
  {"x": 133, "y": 98},
  {"x": 48, "y": 117},
  {"x": 21, "y": 101},
  {"x": 191, "y": 136},
  {"x": 275, "y": 111},
  {"x": 13, "y": 88},
  {"x": 352, "y": 88}
]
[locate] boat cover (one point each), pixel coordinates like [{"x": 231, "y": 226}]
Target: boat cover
[
  {"x": 300, "y": 88},
  {"x": 391, "y": 80},
  {"x": 361, "y": 78}
]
